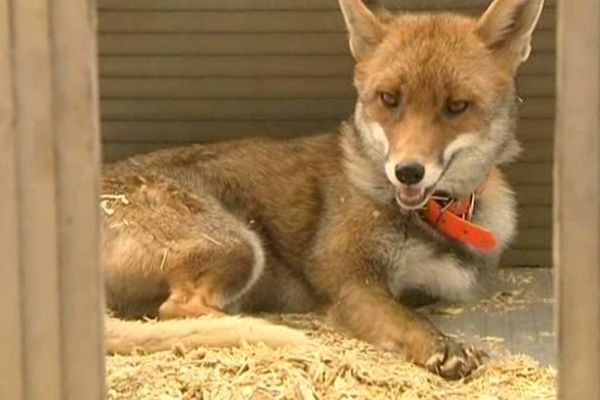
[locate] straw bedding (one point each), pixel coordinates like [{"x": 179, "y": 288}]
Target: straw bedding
[{"x": 338, "y": 367}]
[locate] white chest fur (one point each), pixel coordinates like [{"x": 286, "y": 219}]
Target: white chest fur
[{"x": 415, "y": 265}]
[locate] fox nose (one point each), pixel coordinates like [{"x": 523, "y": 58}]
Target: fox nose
[{"x": 410, "y": 172}]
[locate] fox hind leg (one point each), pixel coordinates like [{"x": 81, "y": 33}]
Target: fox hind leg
[
  {"x": 181, "y": 253},
  {"x": 210, "y": 275}
]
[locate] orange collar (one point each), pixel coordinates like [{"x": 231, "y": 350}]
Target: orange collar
[{"x": 453, "y": 217}]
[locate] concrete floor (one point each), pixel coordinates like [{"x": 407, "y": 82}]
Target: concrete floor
[{"x": 518, "y": 318}]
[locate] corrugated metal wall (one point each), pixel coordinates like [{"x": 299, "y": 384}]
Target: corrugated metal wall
[{"x": 179, "y": 71}]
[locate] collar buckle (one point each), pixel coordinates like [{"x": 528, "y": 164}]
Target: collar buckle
[{"x": 453, "y": 218}]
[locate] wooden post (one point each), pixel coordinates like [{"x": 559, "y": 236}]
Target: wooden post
[
  {"x": 577, "y": 199},
  {"x": 11, "y": 362},
  {"x": 50, "y": 284}
]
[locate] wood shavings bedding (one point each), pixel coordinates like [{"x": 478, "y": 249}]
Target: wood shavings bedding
[{"x": 338, "y": 368}]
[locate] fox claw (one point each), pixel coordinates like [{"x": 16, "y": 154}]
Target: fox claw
[{"x": 452, "y": 360}]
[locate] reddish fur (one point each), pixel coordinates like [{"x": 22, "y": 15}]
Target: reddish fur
[{"x": 428, "y": 60}]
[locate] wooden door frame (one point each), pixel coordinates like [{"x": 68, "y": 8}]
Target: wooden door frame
[
  {"x": 50, "y": 279},
  {"x": 577, "y": 199}
]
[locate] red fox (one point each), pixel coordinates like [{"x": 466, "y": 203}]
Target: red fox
[{"x": 406, "y": 197}]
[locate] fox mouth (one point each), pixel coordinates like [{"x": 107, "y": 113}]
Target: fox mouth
[{"x": 411, "y": 198}]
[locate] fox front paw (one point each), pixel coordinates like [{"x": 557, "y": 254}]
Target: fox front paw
[{"x": 453, "y": 360}]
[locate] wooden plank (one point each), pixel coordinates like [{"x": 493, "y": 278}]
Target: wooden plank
[
  {"x": 535, "y": 216},
  {"x": 223, "y": 44},
  {"x": 577, "y": 209},
  {"x": 536, "y": 85},
  {"x": 264, "y": 66},
  {"x": 265, "y": 87},
  {"x": 533, "y": 239},
  {"x": 242, "y": 43},
  {"x": 43, "y": 285},
  {"x": 226, "y": 66},
  {"x": 242, "y": 21},
  {"x": 276, "y": 109},
  {"x": 534, "y": 195},
  {"x": 205, "y": 5},
  {"x": 11, "y": 362},
  {"x": 75, "y": 120},
  {"x": 530, "y": 173},
  {"x": 206, "y": 131},
  {"x": 281, "y": 5},
  {"x": 259, "y": 109},
  {"x": 538, "y": 152},
  {"x": 37, "y": 201},
  {"x": 539, "y": 64},
  {"x": 220, "y": 21},
  {"x": 537, "y": 107},
  {"x": 223, "y": 88},
  {"x": 535, "y": 129},
  {"x": 527, "y": 258}
]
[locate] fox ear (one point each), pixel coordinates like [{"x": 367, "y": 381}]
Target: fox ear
[
  {"x": 506, "y": 28},
  {"x": 365, "y": 30}
]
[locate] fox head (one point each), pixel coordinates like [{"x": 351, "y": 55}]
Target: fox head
[{"x": 436, "y": 107}]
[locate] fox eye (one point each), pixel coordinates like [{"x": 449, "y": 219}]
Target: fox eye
[
  {"x": 390, "y": 100},
  {"x": 456, "y": 107}
]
